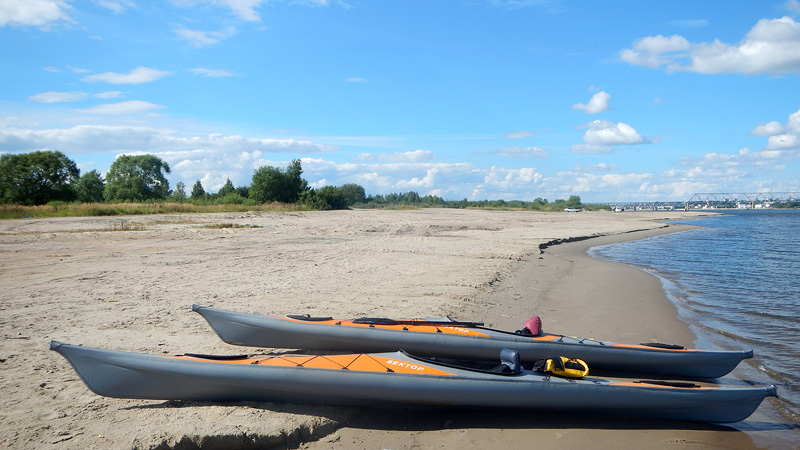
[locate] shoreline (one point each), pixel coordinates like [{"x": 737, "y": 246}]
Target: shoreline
[
  {"x": 131, "y": 290},
  {"x": 546, "y": 285}
]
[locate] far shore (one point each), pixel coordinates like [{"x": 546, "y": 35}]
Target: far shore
[{"x": 79, "y": 280}]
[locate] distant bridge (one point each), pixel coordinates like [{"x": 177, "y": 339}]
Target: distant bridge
[
  {"x": 712, "y": 200},
  {"x": 741, "y": 200}
]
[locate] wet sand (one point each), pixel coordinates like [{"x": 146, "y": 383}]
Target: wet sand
[{"x": 83, "y": 281}]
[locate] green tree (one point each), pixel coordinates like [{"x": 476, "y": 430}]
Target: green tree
[
  {"x": 333, "y": 197},
  {"x": 227, "y": 189},
  {"x": 574, "y": 201},
  {"x": 137, "y": 178},
  {"x": 37, "y": 178},
  {"x": 197, "y": 190},
  {"x": 353, "y": 194},
  {"x": 179, "y": 194},
  {"x": 90, "y": 187},
  {"x": 271, "y": 184}
]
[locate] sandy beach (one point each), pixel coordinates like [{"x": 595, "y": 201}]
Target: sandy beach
[{"x": 128, "y": 284}]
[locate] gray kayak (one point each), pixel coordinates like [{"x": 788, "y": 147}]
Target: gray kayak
[
  {"x": 446, "y": 338},
  {"x": 397, "y": 378}
]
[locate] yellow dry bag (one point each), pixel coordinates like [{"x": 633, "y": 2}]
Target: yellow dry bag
[{"x": 562, "y": 366}]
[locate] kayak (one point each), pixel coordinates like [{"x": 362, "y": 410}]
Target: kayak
[
  {"x": 447, "y": 338},
  {"x": 397, "y": 379}
]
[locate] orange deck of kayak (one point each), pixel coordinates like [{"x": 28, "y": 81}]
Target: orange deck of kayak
[
  {"x": 452, "y": 329},
  {"x": 359, "y": 362},
  {"x": 443, "y": 328}
]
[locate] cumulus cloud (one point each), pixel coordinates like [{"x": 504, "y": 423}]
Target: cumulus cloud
[
  {"x": 426, "y": 182},
  {"x": 504, "y": 179},
  {"x": 768, "y": 129},
  {"x": 520, "y": 152},
  {"x": 136, "y": 76},
  {"x": 730, "y": 169},
  {"x": 604, "y": 133},
  {"x": 36, "y": 13},
  {"x": 772, "y": 46},
  {"x": 597, "y": 104},
  {"x": 779, "y": 136}
]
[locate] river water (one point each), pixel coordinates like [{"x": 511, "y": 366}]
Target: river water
[{"x": 736, "y": 281}]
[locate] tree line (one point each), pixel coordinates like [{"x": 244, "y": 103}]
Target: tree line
[{"x": 43, "y": 177}]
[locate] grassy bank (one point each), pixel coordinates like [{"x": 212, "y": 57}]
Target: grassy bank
[{"x": 132, "y": 209}]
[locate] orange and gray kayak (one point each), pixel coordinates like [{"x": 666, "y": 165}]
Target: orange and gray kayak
[
  {"x": 397, "y": 379},
  {"x": 447, "y": 338}
]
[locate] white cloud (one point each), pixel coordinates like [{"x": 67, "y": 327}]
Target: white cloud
[
  {"x": 793, "y": 6},
  {"x": 116, "y": 6},
  {"x": 71, "y": 96},
  {"x": 599, "y": 167},
  {"x": 136, "y": 76},
  {"x": 108, "y": 94},
  {"x": 781, "y": 137},
  {"x": 783, "y": 142},
  {"x": 772, "y": 46},
  {"x": 126, "y": 107},
  {"x": 58, "y": 97},
  {"x": 503, "y": 179},
  {"x": 426, "y": 182},
  {"x": 520, "y": 152},
  {"x": 200, "y": 38},
  {"x": 211, "y": 73},
  {"x": 356, "y": 80},
  {"x": 243, "y": 9},
  {"x": 415, "y": 156},
  {"x": 519, "y": 134},
  {"x": 604, "y": 133},
  {"x": 767, "y": 129},
  {"x": 213, "y": 157},
  {"x": 591, "y": 149},
  {"x": 597, "y": 104},
  {"x": 655, "y": 51},
  {"x": 37, "y": 13}
]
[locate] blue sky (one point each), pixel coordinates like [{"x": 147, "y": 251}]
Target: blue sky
[{"x": 477, "y": 99}]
